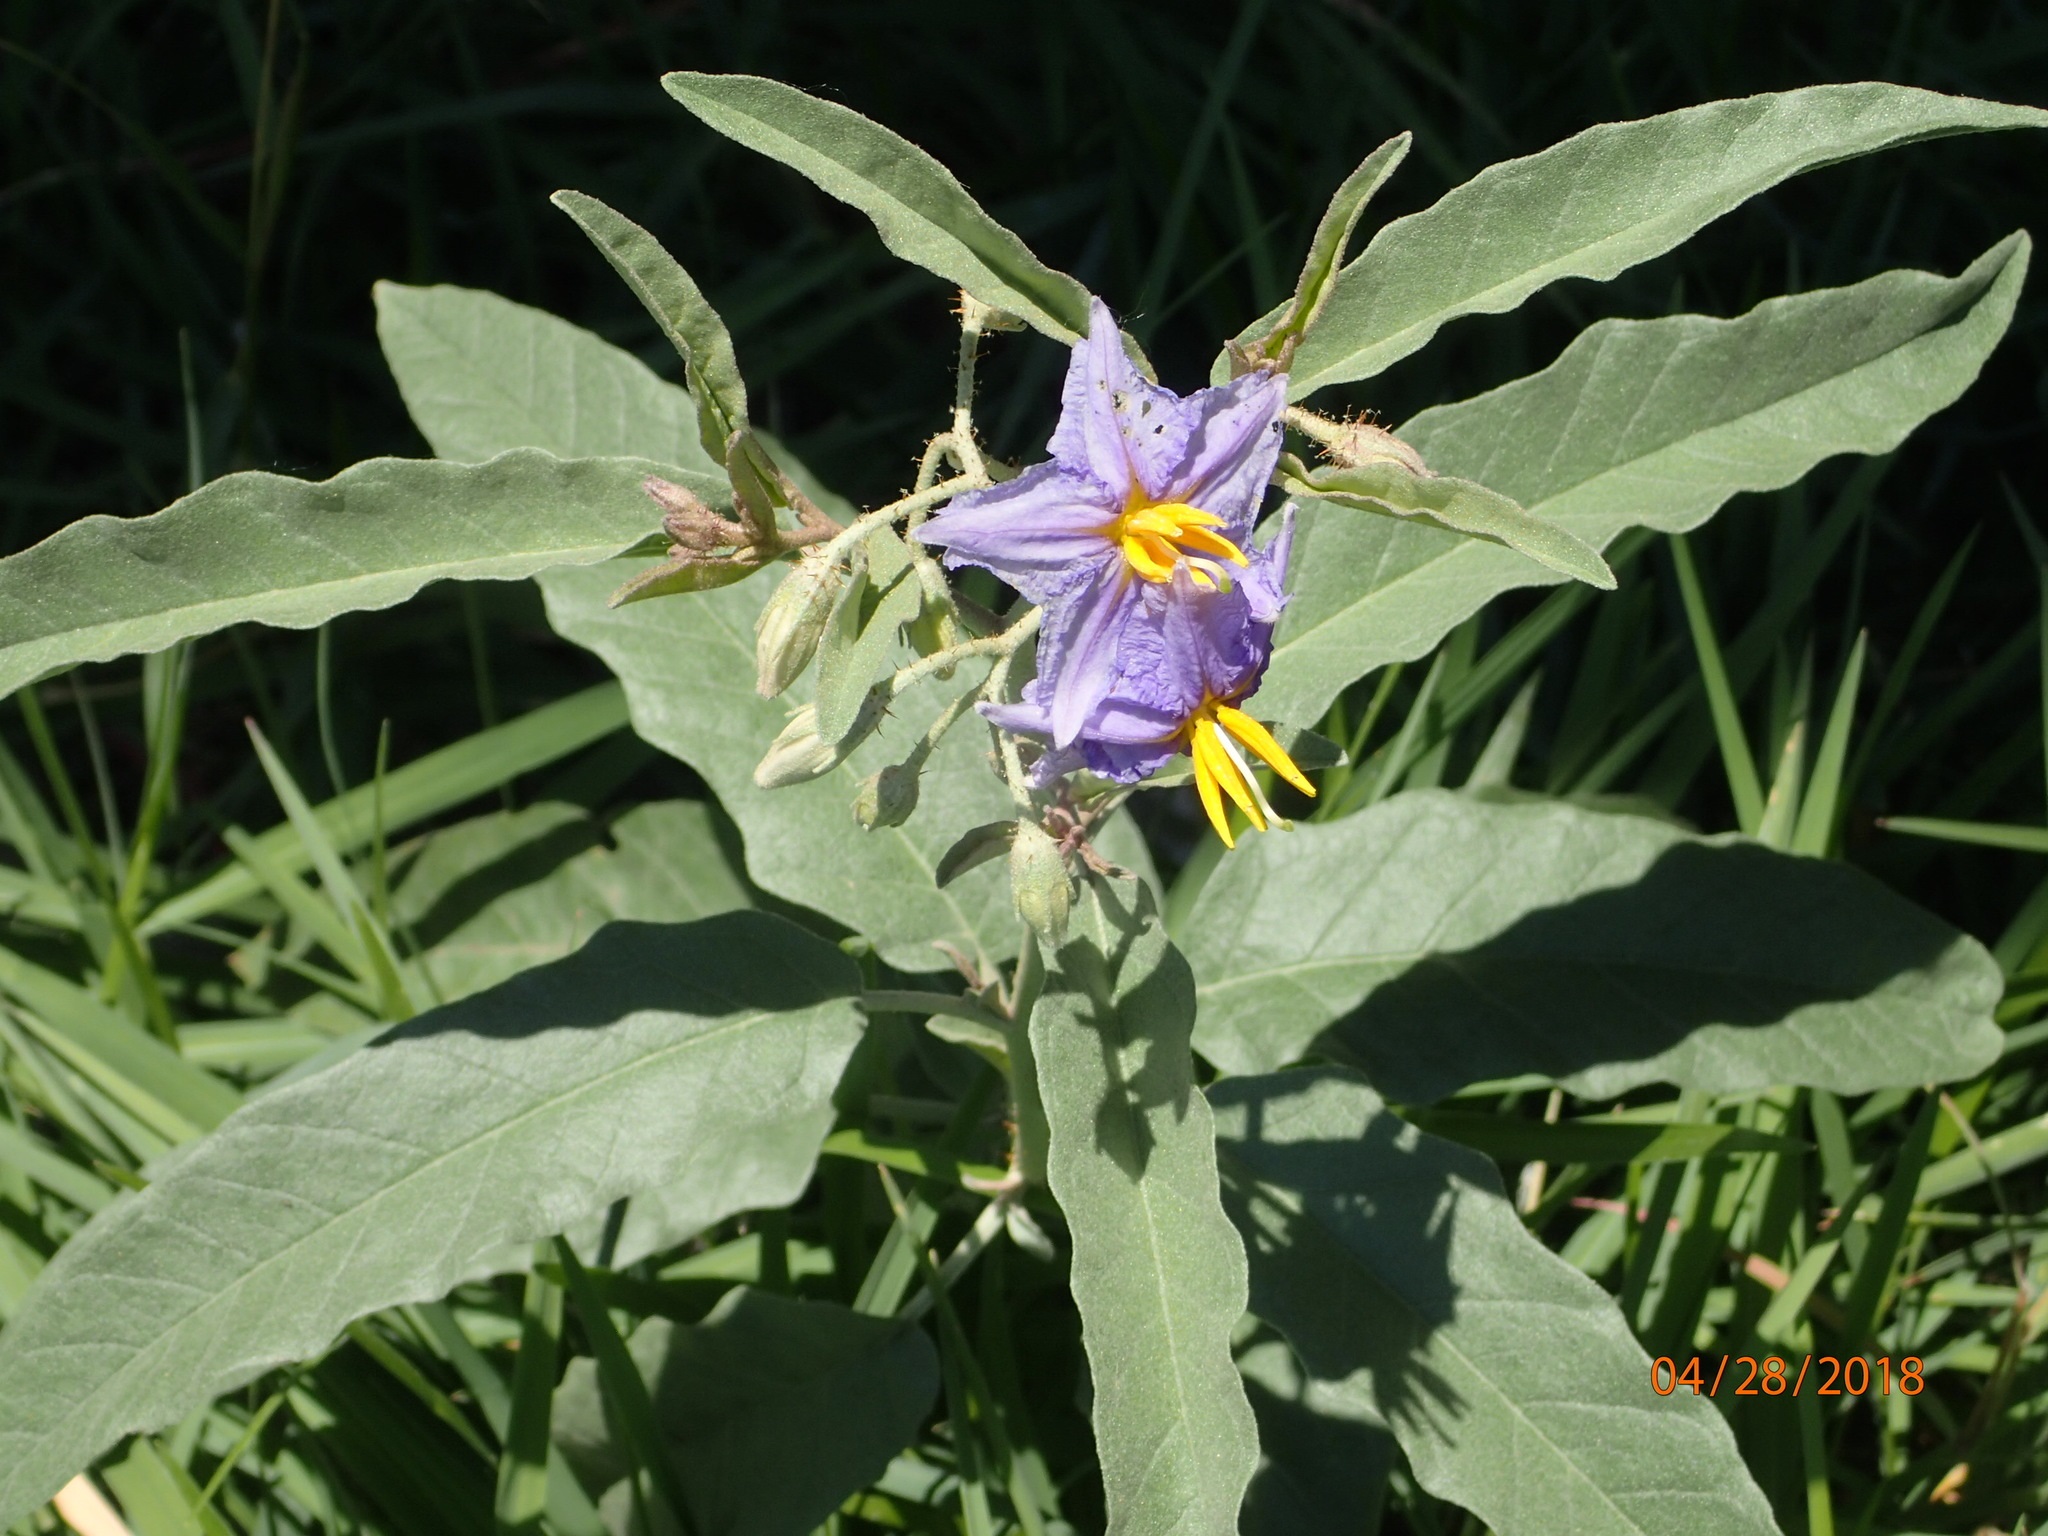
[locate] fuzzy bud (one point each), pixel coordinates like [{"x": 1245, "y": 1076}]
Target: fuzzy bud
[
  {"x": 1355, "y": 444},
  {"x": 787, "y": 632},
  {"x": 799, "y": 754},
  {"x": 1039, "y": 883},
  {"x": 886, "y": 799}
]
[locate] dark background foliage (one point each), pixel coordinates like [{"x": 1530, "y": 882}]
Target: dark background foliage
[{"x": 238, "y": 173}]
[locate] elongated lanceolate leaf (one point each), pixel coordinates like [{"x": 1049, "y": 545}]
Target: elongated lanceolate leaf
[
  {"x": 688, "y": 667},
  {"x": 1406, "y": 1283},
  {"x": 1268, "y": 337},
  {"x": 1158, "y": 1274},
  {"x": 481, "y": 374},
  {"x": 705, "y": 1052},
  {"x": 919, "y": 208},
  {"x": 685, "y": 316},
  {"x": 1600, "y": 202},
  {"x": 268, "y": 549},
  {"x": 1456, "y": 506},
  {"x": 1653, "y": 423},
  {"x": 1441, "y": 940},
  {"x": 772, "y": 1410}
]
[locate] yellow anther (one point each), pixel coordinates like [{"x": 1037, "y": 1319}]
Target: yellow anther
[
  {"x": 1222, "y": 774},
  {"x": 1156, "y": 536},
  {"x": 1260, "y": 740}
]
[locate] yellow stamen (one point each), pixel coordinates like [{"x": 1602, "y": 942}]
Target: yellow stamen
[
  {"x": 1157, "y": 536},
  {"x": 1212, "y": 801},
  {"x": 1260, "y": 740},
  {"x": 1213, "y": 758},
  {"x": 1223, "y": 777}
]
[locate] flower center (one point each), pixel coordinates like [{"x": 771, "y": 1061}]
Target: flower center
[
  {"x": 1216, "y": 736},
  {"x": 1156, "y": 536}
]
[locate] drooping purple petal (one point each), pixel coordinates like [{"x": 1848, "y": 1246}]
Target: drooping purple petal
[
  {"x": 1263, "y": 580},
  {"x": 1078, "y": 661},
  {"x": 1040, "y": 532}
]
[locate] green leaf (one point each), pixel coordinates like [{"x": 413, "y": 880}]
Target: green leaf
[
  {"x": 688, "y": 669},
  {"x": 1157, "y": 1272},
  {"x": 1594, "y": 1141},
  {"x": 919, "y": 208},
  {"x": 1984, "y": 834},
  {"x": 481, "y": 375},
  {"x": 1654, "y": 423},
  {"x": 1598, "y": 203},
  {"x": 1408, "y": 1285},
  {"x": 1323, "y": 1459},
  {"x": 1442, "y": 939},
  {"x": 268, "y": 549},
  {"x": 1456, "y": 506},
  {"x": 702, "y": 1054},
  {"x": 139, "y": 1072},
  {"x": 772, "y": 1410},
  {"x": 500, "y": 894},
  {"x": 1268, "y": 336},
  {"x": 425, "y": 787},
  {"x": 685, "y": 316},
  {"x": 864, "y": 634}
]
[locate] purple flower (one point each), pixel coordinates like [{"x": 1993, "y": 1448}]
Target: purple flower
[
  {"x": 1186, "y": 656},
  {"x": 1146, "y": 492}
]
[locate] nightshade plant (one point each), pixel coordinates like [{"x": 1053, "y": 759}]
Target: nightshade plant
[{"x": 925, "y": 720}]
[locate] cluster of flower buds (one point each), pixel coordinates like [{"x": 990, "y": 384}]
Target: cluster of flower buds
[{"x": 709, "y": 548}]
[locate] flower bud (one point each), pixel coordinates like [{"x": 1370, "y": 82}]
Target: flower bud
[
  {"x": 786, "y": 634},
  {"x": 1039, "y": 883},
  {"x": 799, "y": 754},
  {"x": 1356, "y": 444},
  {"x": 886, "y": 799}
]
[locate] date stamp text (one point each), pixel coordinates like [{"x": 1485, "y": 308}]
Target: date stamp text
[{"x": 1774, "y": 1375}]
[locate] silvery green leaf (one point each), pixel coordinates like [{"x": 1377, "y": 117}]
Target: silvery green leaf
[
  {"x": 772, "y": 1410},
  {"x": 1442, "y": 940},
  {"x": 1157, "y": 1272},
  {"x": 1270, "y": 337},
  {"x": 685, "y": 316},
  {"x": 688, "y": 669},
  {"x": 1408, "y": 1286},
  {"x": 701, "y": 1054},
  {"x": 973, "y": 848},
  {"x": 919, "y": 208},
  {"x": 268, "y": 549},
  {"x": 500, "y": 894},
  {"x": 1639, "y": 422},
  {"x": 1323, "y": 1456},
  {"x": 864, "y": 632},
  {"x": 481, "y": 374},
  {"x": 1456, "y": 506},
  {"x": 1598, "y": 203}
]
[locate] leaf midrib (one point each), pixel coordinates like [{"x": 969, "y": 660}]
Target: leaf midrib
[
  {"x": 1289, "y": 1199},
  {"x": 561, "y": 554}
]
